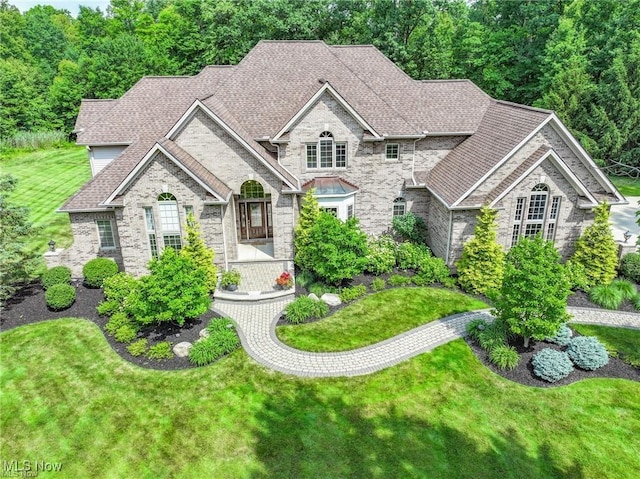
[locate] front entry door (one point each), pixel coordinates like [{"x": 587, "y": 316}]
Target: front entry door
[{"x": 254, "y": 220}]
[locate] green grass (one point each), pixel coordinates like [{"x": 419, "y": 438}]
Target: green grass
[
  {"x": 620, "y": 342},
  {"x": 46, "y": 179},
  {"x": 627, "y": 186},
  {"x": 377, "y": 317},
  {"x": 67, "y": 397}
]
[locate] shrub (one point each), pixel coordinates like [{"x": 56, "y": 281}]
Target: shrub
[
  {"x": 627, "y": 288},
  {"x": 378, "y": 284},
  {"x": 630, "y": 266},
  {"x": 505, "y": 357},
  {"x": 97, "y": 270},
  {"x": 410, "y": 227},
  {"x": 596, "y": 249},
  {"x": 349, "y": 294},
  {"x": 636, "y": 301},
  {"x": 60, "y": 296},
  {"x": 309, "y": 213},
  {"x": 222, "y": 340},
  {"x": 587, "y": 352},
  {"x": 493, "y": 335},
  {"x": 229, "y": 278},
  {"x": 109, "y": 307},
  {"x": 161, "y": 350},
  {"x": 576, "y": 276},
  {"x": 126, "y": 333},
  {"x": 303, "y": 308},
  {"x": 412, "y": 256},
  {"x": 319, "y": 288},
  {"x": 116, "y": 321},
  {"x": 562, "y": 337},
  {"x": 398, "y": 280},
  {"x": 481, "y": 265},
  {"x": 606, "y": 296},
  {"x": 475, "y": 327},
  {"x": 381, "y": 257},
  {"x": 305, "y": 279},
  {"x": 197, "y": 251},
  {"x": 176, "y": 290},
  {"x": 138, "y": 348},
  {"x": 432, "y": 270},
  {"x": 56, "y": 275},
  {"x": 337, "y": 250},
  {"x": 118, "y": 287},
  {"x": 551, "y": 365}
]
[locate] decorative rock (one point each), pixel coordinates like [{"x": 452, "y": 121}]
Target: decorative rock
[
  {"x": 204, "y": 333},
  {"x": 331, "y": 299},
  {"x": 182, "y": 349},
  {"x": 314, "y": 296}
]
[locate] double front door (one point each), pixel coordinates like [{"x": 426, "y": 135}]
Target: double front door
[{"x": 254, "y": 219}]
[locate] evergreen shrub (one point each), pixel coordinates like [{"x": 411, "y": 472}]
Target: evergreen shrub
[
  {"x": 630, "y": 267},
  {"x": 551, "y": 365},
  {"x": 587, "y": 352},
  {"x": 97, "y": 270},
  {"x": 60, "y": 296},
  {"x": 562, "y": 337},
  {"x": 56, "y": 275},
  {"x": 138, "y": 348},
  {"x": 161, "y": 350}
]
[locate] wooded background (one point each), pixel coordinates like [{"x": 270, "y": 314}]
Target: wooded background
[{"x": 578, "y": 57}]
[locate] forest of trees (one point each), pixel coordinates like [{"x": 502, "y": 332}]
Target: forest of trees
[{"x": 578, "y": 57}]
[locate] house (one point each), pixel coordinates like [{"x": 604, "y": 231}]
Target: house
[{"x": 239, "y": 145}]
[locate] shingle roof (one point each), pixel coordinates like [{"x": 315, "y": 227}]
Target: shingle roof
[
  {"x": 91, "y": 111},
  {"x": 503, "y": 127}
]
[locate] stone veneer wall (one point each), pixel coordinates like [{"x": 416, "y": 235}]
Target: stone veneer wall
[{"x": 86, "y": 243}]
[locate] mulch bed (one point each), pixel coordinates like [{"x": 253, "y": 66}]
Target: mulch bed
[{"x": 28, "y": 306}]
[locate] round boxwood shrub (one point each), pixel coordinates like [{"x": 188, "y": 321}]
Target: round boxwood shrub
[
  {"x": 97, "y": 270},
  {"x": 587, "y": 352},
  {"x": 56, "y": 275},
  {"x": 551, "y": 365},
  {"x": 630, "y": 266},
  {"x": 562, "y": 337},
  {"x": 60, "y": 296}
]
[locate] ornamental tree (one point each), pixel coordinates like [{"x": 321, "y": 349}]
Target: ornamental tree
[
  {"x": 596, "y": 250},
  {"x": 481, "y": 266},
  {"x": 532, "y": 300},
  {"x": 309, "y": 212},
  {"x": 197, "y": 251},
  {"x": 336, "y": 251}
]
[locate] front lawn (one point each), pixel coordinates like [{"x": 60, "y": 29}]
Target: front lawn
[
  {"x": 67, "y": 397},
  {"x": 377, "y": 317},
  {"x": 620, "y": 342}
]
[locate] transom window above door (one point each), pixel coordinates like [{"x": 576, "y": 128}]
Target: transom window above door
[{"x": 326, "y": 153}]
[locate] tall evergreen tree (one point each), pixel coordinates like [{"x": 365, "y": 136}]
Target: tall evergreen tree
[
  {"x": 309, "y": 213},
  {"x": 199, "y": 253}
]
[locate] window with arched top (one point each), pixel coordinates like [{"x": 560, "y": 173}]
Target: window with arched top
[
  {"x": 169, "y": 221},
  {"x": 399, "y": 207},
  {"x": 326, "y": 152},
  {"x": 251, "y": 189},
  {"x": 540, "y": 218}
]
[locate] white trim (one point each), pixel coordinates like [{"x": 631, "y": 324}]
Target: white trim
[
  {"x": 564, "y": 169},
  {"x": 113, "y": 236},
  {"x": 503, "y": 161},
  {"x": 190, "y": 113},
  {"x": 307, "y": 106},
  {"x": 386, "y": 150},
  {"x": 134, "y": 173}
]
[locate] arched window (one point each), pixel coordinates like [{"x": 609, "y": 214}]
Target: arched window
[
  {"x": 399, "y": 207},
  {"x": 537, "y": 209},
  {"x": 251, "y": 189},
  {"x": 169, "y": 221},
  {"x": 332, "y": 154},
  {"x": 539, "y": 216}
]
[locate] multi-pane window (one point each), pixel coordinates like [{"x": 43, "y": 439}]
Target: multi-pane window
[
  {"x": 169, "y": 220},
  {"x": 399, "y": 207},
  {"x": 541, "y": 215},
  {"x": 537, "y": 209},
  {"x": 251, "y": 189},
  {"x": 105, "y": 233},
  {"x": 553, "y": 216},
  {"x": 151, "y": 232},
  {"x": 532, "y": 229},
  {"x": 393, "y": 151},
  {"x": 333, "y": 211},
  {"x": 349, "y": 211},
  {"x": 519, "y": 209},
  {"x": 515, "y": 236},
  {"x": 327, "y": 153},
  {"x": 551, "y": 231}
]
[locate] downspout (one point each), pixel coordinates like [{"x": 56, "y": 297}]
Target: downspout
[
  {"x": 449, "y": 235},
  {"x": 223, "y": 211}
]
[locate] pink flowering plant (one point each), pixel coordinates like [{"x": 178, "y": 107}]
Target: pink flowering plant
[{"x": 285, "y": 280}]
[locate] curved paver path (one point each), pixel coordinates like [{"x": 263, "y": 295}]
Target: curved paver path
[{"x": 257, "y": 322}]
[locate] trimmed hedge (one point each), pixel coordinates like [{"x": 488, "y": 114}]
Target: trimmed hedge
[
  {"x": 587, "y": 352},
  {"x": 56, "y": 275},
  {"x": 551, "y": 365},
  {"x": 97, "y": 270},
  {"x": 562, "y": 337},
  {"x": 60, "y": 296}
]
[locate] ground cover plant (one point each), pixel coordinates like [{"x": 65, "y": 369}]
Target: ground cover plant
[
  {"x": 377, "y": 317},
  {"x": 441, "y": 414}
]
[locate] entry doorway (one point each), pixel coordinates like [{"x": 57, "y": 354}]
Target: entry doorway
[{"x": 253, "y": 213}]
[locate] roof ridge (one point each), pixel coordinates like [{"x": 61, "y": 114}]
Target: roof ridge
[{"x": 523, "y": 107}]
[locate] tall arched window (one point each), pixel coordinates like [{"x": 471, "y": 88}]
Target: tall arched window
[
  {"x": 537, "y": 209},
  {"x": 539, "y": 217},
  {"x": 330, "y": 153},
  {"x": 169, "y": 221}
]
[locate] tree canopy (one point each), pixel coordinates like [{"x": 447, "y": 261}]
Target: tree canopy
[{"x": 578, "y": 57}]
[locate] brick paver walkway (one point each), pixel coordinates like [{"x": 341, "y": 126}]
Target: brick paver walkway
[{"x": 256, "y": 324}]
